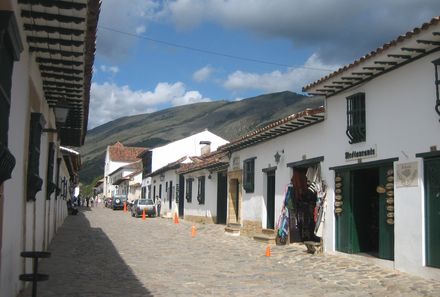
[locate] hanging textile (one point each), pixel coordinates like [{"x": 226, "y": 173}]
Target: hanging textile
[{"x": 283, "y": 220}]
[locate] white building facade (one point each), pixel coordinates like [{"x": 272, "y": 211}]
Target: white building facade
[{"x": 36, "y": 175}]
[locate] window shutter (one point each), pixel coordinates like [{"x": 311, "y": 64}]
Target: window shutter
[
  {"x": 34, "y": 182},
  {"x": 248, "y": 178},
  {"x": 201, "y": 190},
  {"x": 50, "y": 186}
]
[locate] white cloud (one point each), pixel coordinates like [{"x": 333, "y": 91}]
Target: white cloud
[
  {"x": 110, "y": 101},
  {"x": 203, "y": 73},
  {"x": 109, "y": 69},
  {"x": 293, "y": 79},
  {"x": 141, "y": 29},
  {"x": 126, "y": 16},
  {"x": 340, "y": 29}
]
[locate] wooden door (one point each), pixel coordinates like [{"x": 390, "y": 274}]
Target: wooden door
[
  {"x": 222, "y": 196},
  {"x": 432, "y": 211},
  {"x": 270, "y": 195}
]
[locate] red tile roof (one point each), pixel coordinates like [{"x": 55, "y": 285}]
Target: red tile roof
[
  {"x": 214, "y": 160},
  {"x": 120, "y": 153}
]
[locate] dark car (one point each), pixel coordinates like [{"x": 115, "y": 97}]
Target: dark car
[
  {"x": 141, "y": 204},
  {"x": 118, "y": 202}
]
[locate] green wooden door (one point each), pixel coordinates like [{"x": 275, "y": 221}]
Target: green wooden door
[
  {"x": 344, "y": 220},
  {"x": 386, "y": 230},
  {"x": 432, "y": 211}
]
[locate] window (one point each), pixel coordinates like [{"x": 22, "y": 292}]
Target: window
[
  {"x": 50, "y": 186},
  {"x": 149, "y": 192},
  {"x": 143, "y": 192},
  {"x": 248, "y": 175},
  {"x": 201, "y": 190},
  {"x": 34, "y": 182},
  {"x": 160, "y": 191},
  {"x": 10, "y": 48},
  {"x": 356, "y": 130},
  {"x": 188, "y": 190}
]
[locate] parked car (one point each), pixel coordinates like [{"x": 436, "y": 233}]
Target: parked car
[
  {"x": 140, "y": 204},
  {"x": 118, "y": 202}
]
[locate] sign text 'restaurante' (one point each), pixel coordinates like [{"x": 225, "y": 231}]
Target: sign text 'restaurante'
[{"x": 360, "y": 154}]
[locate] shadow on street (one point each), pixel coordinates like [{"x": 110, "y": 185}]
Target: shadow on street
[{"x": 84, "y": 262}]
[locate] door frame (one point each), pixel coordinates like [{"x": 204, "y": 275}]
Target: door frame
[
  {"x": 345, "y": 221},
  {"x": 270, "y": 199}
]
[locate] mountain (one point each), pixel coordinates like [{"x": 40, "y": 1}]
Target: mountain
[{"x": 227, "y": 119}]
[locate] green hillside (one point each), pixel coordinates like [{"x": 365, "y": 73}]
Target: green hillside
[{"x": 224, "y": 118}]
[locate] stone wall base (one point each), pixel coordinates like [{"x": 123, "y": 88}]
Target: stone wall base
[
  {"x": 250, "y": 228},
  {"x": 200, "y": 219}
]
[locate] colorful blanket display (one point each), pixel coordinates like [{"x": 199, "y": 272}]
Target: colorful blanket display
[{"x": 304, "y": 204}]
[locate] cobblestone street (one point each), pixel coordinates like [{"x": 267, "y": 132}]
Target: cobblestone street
[{"x": 101, "y": 252}]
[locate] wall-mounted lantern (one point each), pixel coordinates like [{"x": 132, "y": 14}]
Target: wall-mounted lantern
[{"x": 162, "y": 177}]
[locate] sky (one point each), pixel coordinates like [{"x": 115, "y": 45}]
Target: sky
[{"x": 153, "y": 55}]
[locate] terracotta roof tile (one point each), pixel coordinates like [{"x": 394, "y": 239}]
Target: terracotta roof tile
[{"x": 120, "y": 153}]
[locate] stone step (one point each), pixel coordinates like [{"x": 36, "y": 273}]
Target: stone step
[
  {"x": 233, "y": 229},
  {"x": 266, "y": 238},
  {"x": 268, "y": 231}
]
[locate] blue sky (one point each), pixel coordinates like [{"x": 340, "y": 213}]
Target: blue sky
[{"x": 301, "y": 41}]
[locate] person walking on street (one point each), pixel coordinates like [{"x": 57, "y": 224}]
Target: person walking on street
[{"x": 158, "y": 206}]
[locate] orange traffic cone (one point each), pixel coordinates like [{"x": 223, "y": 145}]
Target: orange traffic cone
[
  {"x": 125, "y": 206},
  {"x": 176, "y": 218},
  {"x": 143, "y": 215},
  {"x": 268, "y": 251},
  {"x": 193, "y": 231}
]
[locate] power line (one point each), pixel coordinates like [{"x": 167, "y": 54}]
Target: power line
[{"x": 209, "y": 52}]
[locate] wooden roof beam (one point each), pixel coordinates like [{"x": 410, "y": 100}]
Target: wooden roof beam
[
  {"x": 59, "y": 4},
  {"x": 55, "y": 51},
  {"x": 55, "y": 41},
  {"x": 50, "y": 29},
  {"x": 431, "y": 42},
  {"x": 392, "y": 63},
  {"x": 59, "y": 62},
  {"x": 399, "y": 56},
  {"x": 412, "y": 49},
  {"x": 60, "y": 69},
  {"x": 374, "y": 68},
  {"x": 52, "y": 17},
  {"x": 60, "y": 76}
]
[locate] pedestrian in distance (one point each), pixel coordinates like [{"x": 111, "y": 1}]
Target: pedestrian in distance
[{"x": 158, "y": 206}]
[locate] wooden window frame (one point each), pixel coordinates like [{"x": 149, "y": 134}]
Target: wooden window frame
[
  {"x": 249, "y": 175},
  {"x": 201, "y": 181},
  {"x": 188, "y": 189}
]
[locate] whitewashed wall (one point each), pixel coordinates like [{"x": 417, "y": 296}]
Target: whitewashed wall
[
  {"x": 401, "y": 122},
  {"x": 209, "y": 208},
  {"x": 295, "y": 145},
  {"x": 189, "y": 146},
  {"x": 26, "y": 225}
]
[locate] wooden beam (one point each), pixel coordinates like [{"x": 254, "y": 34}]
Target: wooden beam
[
  {"x": 55, "y": 41},
  {"x": 412, "y": 49},
  {"x": 362, "y": 73},
  {"x": 374, "y": 68},
  {"x": 428, "y": 42},
  {"x": 392, "y": 63},
  {"x": 58, "y": 61},
  {"x": 50, "y": 29},
  {"x": 399, "y": 56}
]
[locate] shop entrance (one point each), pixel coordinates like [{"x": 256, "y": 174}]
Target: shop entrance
[
  {"x": 222, "y": 196},
  {"x": 180, "y": 196},
  {"x": 270, "y": 203},
  {"x": 432, "y": 210},
  {"x": 366, "y": 209},
  {"x": 365, "y": 215}
]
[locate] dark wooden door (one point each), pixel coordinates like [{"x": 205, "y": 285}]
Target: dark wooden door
[
  {"x": 170, "y": 197},
  {"x": 432, "y": 210},
  {"x": 270, "y": 224},
  {"x": 181, "y": 195},
  {"x": 222, "y": 196}
]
